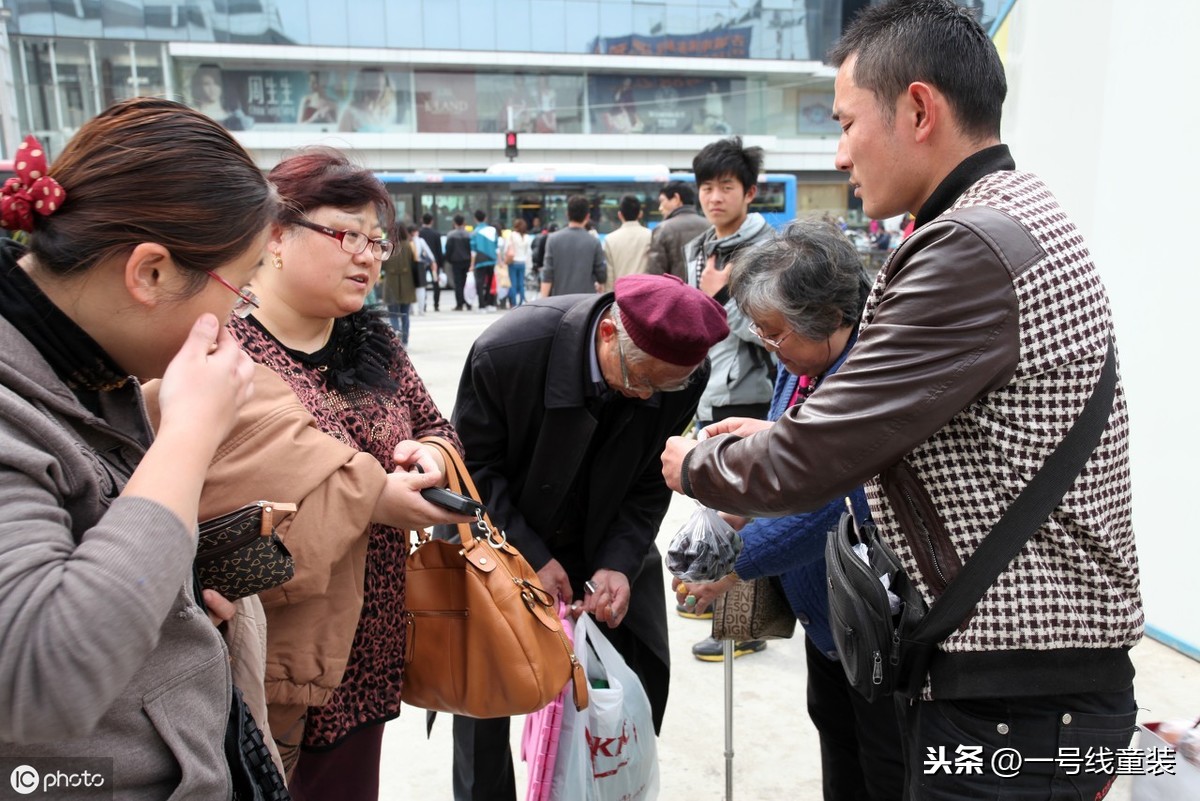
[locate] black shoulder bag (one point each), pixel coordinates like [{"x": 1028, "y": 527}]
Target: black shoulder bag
[{"x": 885, "y": 652}]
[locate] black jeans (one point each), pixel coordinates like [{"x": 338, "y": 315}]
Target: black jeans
[
  {"x": 483, "y": 285},
  {"x": 435, "y": 287},
  {"x": 459, "y": 272},
  {"x": 1016, "y": 749},
  {"x": 862, "y": 757}
]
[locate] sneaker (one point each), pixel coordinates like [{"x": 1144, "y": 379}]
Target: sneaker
[
  {"x": 710, "y": 650},
  {"x": 687, "y": 611}
]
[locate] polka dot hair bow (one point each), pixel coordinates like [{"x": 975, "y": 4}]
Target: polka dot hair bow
[{"x": 30, "y": 190}]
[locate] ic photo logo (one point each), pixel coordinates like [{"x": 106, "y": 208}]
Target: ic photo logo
[
  {"x": 57, "y": 777},
  {"x": 24, "y": 779}
]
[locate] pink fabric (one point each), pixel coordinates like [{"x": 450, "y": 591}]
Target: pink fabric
[{"x": 539, "y": 741}]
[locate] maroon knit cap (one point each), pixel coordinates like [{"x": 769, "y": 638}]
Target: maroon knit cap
[{"x": 668, "y": 319}]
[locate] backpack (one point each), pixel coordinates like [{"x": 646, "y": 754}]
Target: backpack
[{"x": 538, "y": 251}]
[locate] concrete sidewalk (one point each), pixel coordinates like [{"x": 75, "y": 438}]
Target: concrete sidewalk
[{"x": 775, "y": 746}]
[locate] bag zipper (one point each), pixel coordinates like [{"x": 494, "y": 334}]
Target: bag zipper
[{"x": 266, "y": 528}]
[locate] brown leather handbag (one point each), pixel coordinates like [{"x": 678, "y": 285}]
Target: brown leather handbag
[{"x": 483, "y": 636}]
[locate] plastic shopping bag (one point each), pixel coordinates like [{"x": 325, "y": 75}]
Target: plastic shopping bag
[
  {"x": 608, "y": 751},
  {"x": 705, "y": 547},
  {"x": 1167, "y": 774},
  {"x": 469, "y": 293},
  {"x": 539, "y": 741}
]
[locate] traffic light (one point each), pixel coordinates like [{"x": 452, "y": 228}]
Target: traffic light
[{"x": 510, "y": 144}]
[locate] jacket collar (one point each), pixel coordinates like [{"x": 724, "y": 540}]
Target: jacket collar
[
  {"x": 685, "y": 209},
  {"x": 747, "y": 231},
  {"x": 568, "y": 370},
  {"x": 961, "y": 178}
]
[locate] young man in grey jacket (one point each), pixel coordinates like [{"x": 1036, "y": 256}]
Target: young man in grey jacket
[{"x": 742, "y": 375}]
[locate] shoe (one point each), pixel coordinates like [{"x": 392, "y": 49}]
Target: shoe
[
  {"x": 710, "y": 650},
  {"x": 686, "y": 611},
  {"x": 490, "y": 310}
]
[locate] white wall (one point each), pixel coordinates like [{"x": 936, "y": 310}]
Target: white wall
[{"x": 1103, "y": 105}]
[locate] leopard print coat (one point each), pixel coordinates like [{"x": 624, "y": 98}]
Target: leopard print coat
[{"x": 363, "y": 390}]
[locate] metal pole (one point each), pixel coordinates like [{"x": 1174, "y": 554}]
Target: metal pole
[{"x": 728, "y": 645}]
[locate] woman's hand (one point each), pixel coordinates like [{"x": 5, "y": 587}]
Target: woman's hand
[
  {"x": 702, "y": 593},
  {"x": 410, "y": 453},
  {"x": 220, "y": 609},
  {"x": 400, "y": 504},
  {"x": 206, "y": 384},
  {"x": 203, "y": 388}
]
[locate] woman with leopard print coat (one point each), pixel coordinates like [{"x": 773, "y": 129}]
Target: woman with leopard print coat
[{"x": 350, "y": 371}]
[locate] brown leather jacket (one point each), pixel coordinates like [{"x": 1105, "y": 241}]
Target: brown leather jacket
[
  {"x": 276, "y": 453},
  {"x": 983, "y": 337},
  {"x": 668, "y": 239}
]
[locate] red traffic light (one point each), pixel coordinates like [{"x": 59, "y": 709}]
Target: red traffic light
[{"x": 510, "y": 144}]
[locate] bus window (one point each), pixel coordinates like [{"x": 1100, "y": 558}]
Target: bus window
[
  {"x": 771, "y": 198},
  {"x": 554, "y": 210},
  {"x": 503, "y": 212},
  {"x": 529, "y": 208}
]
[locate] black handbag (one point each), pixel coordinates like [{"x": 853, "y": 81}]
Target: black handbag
[
  {"x": 252, "y": 772},
  {"x": 885, "y": 652},
  {"x": 240, "y": 554}
]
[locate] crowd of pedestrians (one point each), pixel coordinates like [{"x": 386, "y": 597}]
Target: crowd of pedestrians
[{"x": 184, "y": 336}]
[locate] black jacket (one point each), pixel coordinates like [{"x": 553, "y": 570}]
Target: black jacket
[{"x": 526, "y": 424}]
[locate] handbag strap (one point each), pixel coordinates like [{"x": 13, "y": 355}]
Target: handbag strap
[
  {"x": 459, "y": 480},
  {"x": 1033, "y": 506}
]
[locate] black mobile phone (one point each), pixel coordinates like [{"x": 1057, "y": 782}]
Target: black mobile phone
[{"x": 452, "y": 501}]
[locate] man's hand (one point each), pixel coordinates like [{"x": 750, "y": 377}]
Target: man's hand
[
  {"x": 672, "y": 460},
  {"x": 739, "y": 426},
  {"x": 713, "y": 278},
  {"x": 610, "y": 602},
  {"x": 554, "y": 581}
]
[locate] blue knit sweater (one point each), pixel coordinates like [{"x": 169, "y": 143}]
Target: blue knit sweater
[{"x": 793, "y": 547}]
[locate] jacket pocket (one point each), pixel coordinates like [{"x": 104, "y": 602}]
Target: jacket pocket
[
  {"x": 922, "y": 526},
  {"x": 191, "y": 723}
]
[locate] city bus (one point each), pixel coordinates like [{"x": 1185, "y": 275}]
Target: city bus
[{"x": 538, "y": 194}]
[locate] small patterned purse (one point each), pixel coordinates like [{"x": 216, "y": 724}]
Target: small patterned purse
[
  {"x": 240, "y": 554},
  {"x": 753, "y": 610}
]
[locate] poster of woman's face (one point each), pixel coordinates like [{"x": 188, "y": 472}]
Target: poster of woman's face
[{"x": 367, "y": 99}]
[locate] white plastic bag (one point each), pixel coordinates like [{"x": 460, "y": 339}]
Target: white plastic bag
[
  {"x": 608, "y": 751},
  {"x": 469, "y": 294},
  {"x": 1181, "y": 782}
]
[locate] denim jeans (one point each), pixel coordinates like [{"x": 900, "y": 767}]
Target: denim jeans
[
  {"x": 516, "y": 275},
  {"x": 398, "y": 313},
  {"x": 1051, "y": 746}
]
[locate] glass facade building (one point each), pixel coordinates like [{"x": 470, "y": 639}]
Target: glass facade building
[{"x": 433, "y": 84}]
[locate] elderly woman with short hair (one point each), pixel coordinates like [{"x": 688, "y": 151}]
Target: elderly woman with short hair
[{"x": 804, "y": 292}]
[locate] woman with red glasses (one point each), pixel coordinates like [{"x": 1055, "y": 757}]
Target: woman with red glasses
[
  {"x": 350, "y": 371},
  {"x": 104, "y": 650}
]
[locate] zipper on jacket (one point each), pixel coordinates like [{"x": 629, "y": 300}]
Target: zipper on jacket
[{"x": 921, "y": 526}]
